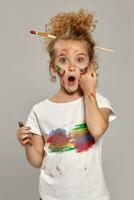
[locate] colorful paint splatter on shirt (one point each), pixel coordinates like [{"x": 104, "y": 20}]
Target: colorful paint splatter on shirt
[{"x": 79, "y": 138}]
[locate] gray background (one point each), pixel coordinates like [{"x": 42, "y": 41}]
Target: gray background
[{"x": 24, "y": 81}]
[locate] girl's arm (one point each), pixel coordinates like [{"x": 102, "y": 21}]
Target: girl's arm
[
  {"x": 97, "y": 119},
  {"x": 35, "y": 151},
  {"x": 33, "y": 144}
]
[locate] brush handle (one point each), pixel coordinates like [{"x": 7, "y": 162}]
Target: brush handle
[
  {"x": 43, "y": 34},
  {"x": 104, "y": 49},
  {"x": 20, "y": 124}
]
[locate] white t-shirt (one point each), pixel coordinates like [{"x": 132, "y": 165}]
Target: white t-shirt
[{"x": 72, "y": 166}]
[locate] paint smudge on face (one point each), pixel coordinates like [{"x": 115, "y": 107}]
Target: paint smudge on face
[
  {"x": 66, "y": 50},
  {"x": 83, "y": 70},
  {"x": 60, "y": 70}
]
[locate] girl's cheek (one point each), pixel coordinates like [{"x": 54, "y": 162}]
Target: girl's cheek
[
  {"x": 62, "y": 81},
  {"x": 60, "y": 70}
]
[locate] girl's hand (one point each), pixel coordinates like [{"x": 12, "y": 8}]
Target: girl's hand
[
  {"x": 88, "y": 80},
  {"x": 24, "y": 136}
]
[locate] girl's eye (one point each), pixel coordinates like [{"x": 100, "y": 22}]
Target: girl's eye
[
  {"x": 80, "y": 59},
  {"x": 63, "y": 60}
]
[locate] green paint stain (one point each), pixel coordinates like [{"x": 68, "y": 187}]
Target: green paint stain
[
  {"x": 80, "y": 126},
  {"x": 60, "y": 70},
  {"x": 60, "y": 149}
]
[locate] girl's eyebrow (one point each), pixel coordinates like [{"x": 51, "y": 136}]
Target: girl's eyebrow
[
  {"x": 81, "y": 54},
  {"x": 60, "y": 55}
]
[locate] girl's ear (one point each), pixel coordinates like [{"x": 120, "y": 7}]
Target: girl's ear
[
  {"x": 52, "y": 69},
  {"x": 53, "y": 73},
  {"x": 93, "y": 64}
]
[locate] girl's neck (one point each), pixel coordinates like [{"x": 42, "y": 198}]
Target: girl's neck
[{"x": 62, "y": 96}]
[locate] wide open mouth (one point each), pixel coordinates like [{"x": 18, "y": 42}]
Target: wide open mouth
[
  {"x": 71, "y": 78},
  {"x": 71, "y": 84}
]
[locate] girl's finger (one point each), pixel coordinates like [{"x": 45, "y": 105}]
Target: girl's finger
[
  {"x": 24, "y": 128},
  {"x": 26, "y": 141},
  {"x": 22, "y": 137},
  {"x": 27, "y": 127},
  {"x": 23, "y": 142},
  {"x": 25, "y": 132},
  {"x": 91, "y": 70},
  {"x": 94, "y": 74},
  {"x": 21, "y": 125}
]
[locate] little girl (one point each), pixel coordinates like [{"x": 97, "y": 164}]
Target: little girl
[{"x": 63, "y": 134}]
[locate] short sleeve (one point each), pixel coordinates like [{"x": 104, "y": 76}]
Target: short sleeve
[
  {"x": 32, "y": 122},
  {"x": 103, "y": 102}
]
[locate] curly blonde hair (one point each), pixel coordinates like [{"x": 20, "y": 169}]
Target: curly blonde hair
[{"x": 74, "y": 26}]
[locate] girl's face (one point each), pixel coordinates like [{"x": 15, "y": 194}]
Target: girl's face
[{"x": 71, "y": 60}]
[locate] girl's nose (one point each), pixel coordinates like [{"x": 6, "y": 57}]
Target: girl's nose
[{"x": 72, "y": 67}]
